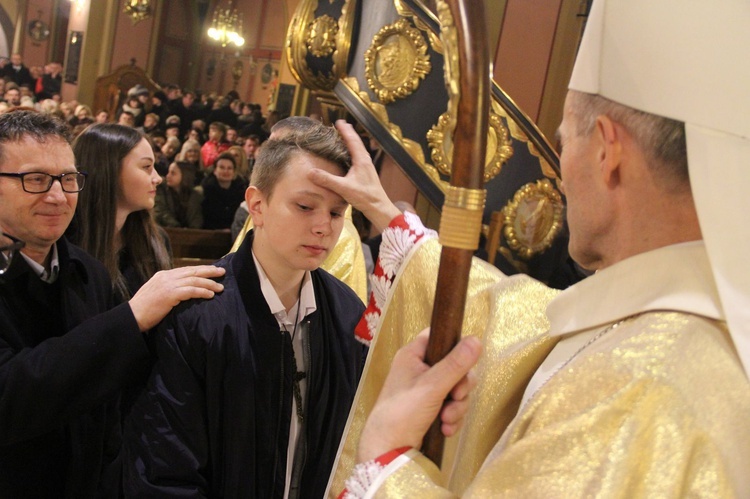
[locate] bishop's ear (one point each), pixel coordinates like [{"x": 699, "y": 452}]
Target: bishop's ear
[
  {"x": 609, "y": 137},
  {"x": 256, "y": 204}
]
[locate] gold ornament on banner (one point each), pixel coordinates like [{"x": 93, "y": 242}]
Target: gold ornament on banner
[
  {"x": 321, "y": 36},
  {"x": 533, "y": 218},
  {"x": 499, "y": 146},
  {"x": 396, "y": 62}
]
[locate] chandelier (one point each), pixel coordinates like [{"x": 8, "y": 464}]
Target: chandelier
[
  {"x": 138, "y": 10},
  {"x": 226, "y": 26},
  {"x": 78, "y": 4}
]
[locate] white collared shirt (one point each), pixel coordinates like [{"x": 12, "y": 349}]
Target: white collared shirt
[
  {"x": 287, "y": 321},
  {"x": 54, "y": 267}
]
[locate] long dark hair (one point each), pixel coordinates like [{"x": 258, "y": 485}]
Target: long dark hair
[
  {"x": 187, "y": 183},
  {"x": 99, "y": 151}
]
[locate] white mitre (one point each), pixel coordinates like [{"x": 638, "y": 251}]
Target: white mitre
[{"x": 687, "y": 60}]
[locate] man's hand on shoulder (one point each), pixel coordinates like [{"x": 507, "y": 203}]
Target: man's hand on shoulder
[{"x": 168, "y": 288}]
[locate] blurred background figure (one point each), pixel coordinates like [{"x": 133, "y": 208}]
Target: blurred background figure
[
  {"x": 222, "y": 192},
  {"x": 177, "y": 202}
]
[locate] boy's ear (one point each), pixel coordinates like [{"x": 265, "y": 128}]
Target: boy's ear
[{"x": 256, "y": 203}]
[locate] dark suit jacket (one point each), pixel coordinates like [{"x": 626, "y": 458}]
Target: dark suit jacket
[
  {"x": 214, "y": 421},
  {"x": 65, "y": 355},
  {"x": 51, "y": 85},
  {"x": 21, "y": 77},
  {"x": 224, "y": 115}
]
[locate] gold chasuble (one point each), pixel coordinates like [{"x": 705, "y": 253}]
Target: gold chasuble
[
  {"x": 507, "y": 312},
  {"x": 346, "y": 262},
  {"x": 639, "y": 386},
  {"x": 648, "y": 404}
]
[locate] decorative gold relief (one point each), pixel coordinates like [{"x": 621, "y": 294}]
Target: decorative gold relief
[
  {"x": 344, "y": 38},
  {"x": 440, "y": 140},
  {"x": 321, "y": 36},
  {"x": 533, "y": 218},
  {"x": 435, "y": 42},
  {"x": 449, "y": 40},
  {"x": 396, "y": 62},
  {"x": 411, "y": 147},
  {"x": 441, "y": 145},
  {"x": 405, "y": 10},
  {"x": 499, "y": 146},
  {"x": 517, "y": 133}
]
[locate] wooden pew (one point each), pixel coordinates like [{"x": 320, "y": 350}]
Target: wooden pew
[{"x": 198, "y": 246}]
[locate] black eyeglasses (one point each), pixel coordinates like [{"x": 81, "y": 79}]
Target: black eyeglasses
[
  {"x": 8, "y": 246},
  {"x": 39, "y": 183}
]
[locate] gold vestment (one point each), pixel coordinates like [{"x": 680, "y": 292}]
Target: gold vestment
[{"x": 659, "y": 409}]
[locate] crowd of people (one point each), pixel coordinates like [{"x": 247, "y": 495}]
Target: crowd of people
[
  {"x": 265, "y": 376},
  {"x": 36, "y": 83},
  {"x": 189, "y": 133}
]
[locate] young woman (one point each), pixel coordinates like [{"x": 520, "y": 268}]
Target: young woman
[
  {"x": 113, "y": 217},
  {"x": 223, "y": 191},
  {"x": 240, "y": 159},
  {"x": 176, "y": 203},
  {"x": 82, "y": 116},
  {"x": 191, "y": 153},
  {"x": 171, "y": 147}
]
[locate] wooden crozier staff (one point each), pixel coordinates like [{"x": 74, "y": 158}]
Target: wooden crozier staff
[{"x": 467, "y": 78}]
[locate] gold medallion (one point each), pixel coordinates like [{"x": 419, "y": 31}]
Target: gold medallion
[
  {"x": 321, "y": 36},
  {"x": 326, "y": 39},
  {"x": 396, "y": 62},
  {"x": 499, "y": 146},
  {"x": 533, "y": 218}
]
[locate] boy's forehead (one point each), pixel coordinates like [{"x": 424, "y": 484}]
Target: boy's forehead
[
  {"x": 294, "y": 176},
  {"x": 303, "y": 161}
]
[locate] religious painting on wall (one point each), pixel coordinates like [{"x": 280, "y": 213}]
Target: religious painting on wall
[{"x": 38, "y": 30}]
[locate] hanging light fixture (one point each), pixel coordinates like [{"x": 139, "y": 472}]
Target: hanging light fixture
[
  {"x": 138, "y": 10},
  {"x": 78, "y": 4},
  {"x": 226, "y": 26}
]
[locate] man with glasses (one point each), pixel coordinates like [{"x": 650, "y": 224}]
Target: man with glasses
[
  {"x": 66, "y": 349},
  {"x": 39, "y": 183}
]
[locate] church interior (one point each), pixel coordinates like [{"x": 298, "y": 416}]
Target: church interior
[{"x": 299, "y": 57}]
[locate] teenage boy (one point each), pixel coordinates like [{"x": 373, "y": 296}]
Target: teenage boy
[{"x": 252, "y": 390}]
